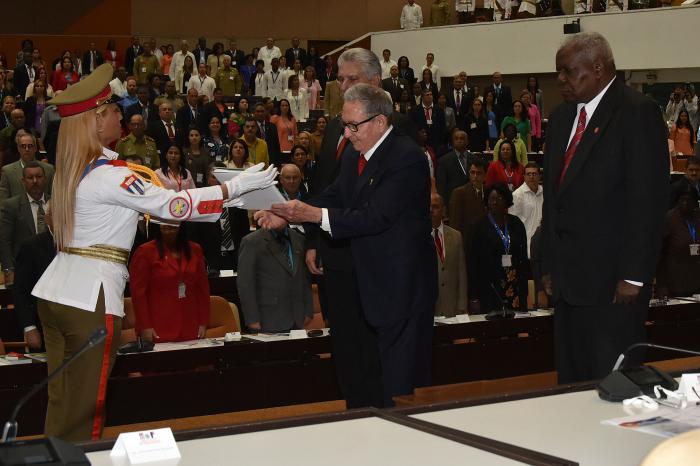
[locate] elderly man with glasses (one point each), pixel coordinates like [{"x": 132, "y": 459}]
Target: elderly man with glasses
[
  {"x": 11, "y": 178},
  {"x": 379, "y": 203}
]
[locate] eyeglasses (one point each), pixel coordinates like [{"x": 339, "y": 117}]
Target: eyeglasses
[
  {"x": 26, "y": 146},
  {"x": 355, "y": 127}
]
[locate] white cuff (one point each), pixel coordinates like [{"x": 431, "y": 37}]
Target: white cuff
[
  {"x": 325, "y": 221},
  {"x": 632, "y": 282},
  {"x": 29, "y": 328}
]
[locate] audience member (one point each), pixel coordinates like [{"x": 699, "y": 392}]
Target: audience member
[
  {"x": 24, "y": 74},
  {"x": 145, "y": 65},
  {"x": 431, "y": 118},
  {"x": 8, "y": 144},
  {"x": 112, "y": 56},
  {"x": 131, "y": 97},
  {"x": 427, "y": 83},
  {"x": 465, "y": 10},
  {"x": 65, "y": 76},
  {"x": 269, "y": 53},
  {"x": 257, "y": 148},
  {"x": 22, "y": 216},
  {"x": 286, "y": 124},
  {"x": 510, "y": 133},
  {"x": 184, "y": 75},
  {"x": 394, "y": 84},
  {"x": 273, "y": 281},
  {"x": 405, "y": 103},
  {"x": 450, "y": 118},
  {"x": 312, "y": 86},
  {"x": 297, "y": 98},
  {"x": 459, "y": 100},
  {"x": 300, "y": 158},
  {"x": 477, "y": 126},
  {"x": 386, "y": 63},
  {"x": 154, "y": 87},
  {"x": 675, "y": 104},
  {"x": 215, "y": 59},
  {"x": 41, "y": 75},
  {"x": 273, "y": 84},
  {"x": 521, "y": 119},
  {"x": 439, "y": 13},
  {"x": 12, "y": 180},
  {"x": 196, "y": 156},
  {"x": 452, "y": 170},
  {"x": 188, "y": 115},
  {"x": 137, "y": 144},
  {"x": 238, "y": 156},
  {"x": 5, "y": 88},
  {"x": 411, "y": 16},
  {"x": 290, "y": 183},
  {"x": 163, "y": 130},
  {"x": 201, "y": 52},
  {"x": 173, "y": 172},
  {"x": 682, "y": 134},
  {"x": 451, "y": 266},
  {"x": 467, "y": 204},
  {"x": 256, "y": 85},
  {"x": 238, "y": 57},
  {"x": 131, "y": 53},
  {"x": 678, "y": 273},
  {"x": 328, "y": 71},
  {"x": 268, "y": 132},
  {"x": 167, "y": 60},
  {"x": 535, "y": 120},
  {"x": 118, "y": 84},
  {"x": 503, "y": 99},
  {"x": 527, "y": 201},
  {"x": 91, "y": 59},
  {"x": 169, "y": 287},
  {"x": 203, "y": 83},
  {"x": 178, "y": 61},
  {"x": 34, "y": 105},
  {"x": 506, "y": 169},
  {"x": 170, "y": 95},
  {"x": 424, "y": 143},
  {"x": 533, "y": 86},
  {"x": 216, "y": 140},
  {"x": 498, "y": 264},
  {"x": 332, "y": 99},
  {"x": 493, "y": 117},
  {"x": 434, "y": 69},
  {"x": 691, "y": 178},
  {"x": 228, "y": 78}
]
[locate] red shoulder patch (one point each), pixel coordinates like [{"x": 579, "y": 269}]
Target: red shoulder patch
[
  {"x": 117, "y": 163},
  {"x": 210, "y": 207}
]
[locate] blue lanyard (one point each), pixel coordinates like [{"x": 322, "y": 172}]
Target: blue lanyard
[
  {"x": 505, "y": 236},
  {"x": 89, "y": 168},
  {"x": 692, "y": 230}
]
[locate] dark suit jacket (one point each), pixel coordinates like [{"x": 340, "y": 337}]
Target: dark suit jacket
[
  {"x": 130, "y": 57},
  {"x": 138, "y": 108},
  {"x": 34, "y": 256},
  {"x": 436, "y": 130},
  {"x": 395, "y": 91},
  {"x": 21, "y": 80},
  {"x": 85, "y": 63},
  {"x": 195, "y": 52},
  {"x": 465, "y": 104},
  {"x": 16, "y": 225},
  {"x": 604, "y": 223},
  {"x": 184, "y": 119},
  {"x": 384, "y": 214},
  {"x": 273, "y": 143},
  {"x": 208, "y": 111},
  {"x": 156, "y": 129},
  {"x": 504, "y": 101},
  {"x": 408, "y": 75},
  {"x": 466, "y": 209},
  {"x": 238, "y": 57},
  {"x": 289, "y": 55},
  {"x": 271, "y": 293},
  {"x": 450, "y": 175}
]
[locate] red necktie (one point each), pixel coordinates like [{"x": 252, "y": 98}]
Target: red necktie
[
  {"x": 427, "y": 114},
  {"x": 341, "y": 148},
  {"x": 459, "y": 100},
  {"x": 361, "y": 164},
  {"x": 571, "y": 150},
  {"x": 438, "y": 245},
  {"x": 171, "y": 133}
]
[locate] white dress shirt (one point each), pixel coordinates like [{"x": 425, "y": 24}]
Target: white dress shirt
[
  {"x": 267, "y": 54},
  {"x": 441, "y": 234},
  {"x": 386, "y": 67},
  {"x": 273, "y": 85},
  {"x": 325, "y": 221},
  {"x": 178, "y": 62},
  {"x": 118, "y": 87},
  {"x": 411, "y": 16},
  {"x": 527, "y": 206},
  {"x": 204, "y": 86},
  {"x": 299, "y": 104}
]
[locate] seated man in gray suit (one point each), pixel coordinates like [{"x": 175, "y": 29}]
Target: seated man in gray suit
[
  {"x": 22, "y": 216},
  {"x": 273, "y": 281},
  {"x": 11, "y": 179},
  {"x": 452, "y": 268}
]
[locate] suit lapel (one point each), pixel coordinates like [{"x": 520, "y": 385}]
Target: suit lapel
[
  {"x": 373, "y": 164},
  {"x": 25, "y": 210},
  {"x": 276, "y": 251},
  {"x": 559, "y": 145},
  {"x": 595, "y": 128}
]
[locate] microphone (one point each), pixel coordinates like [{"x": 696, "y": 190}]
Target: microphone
[
  {"x": 503, "y": 313},
  {"x": 10, "y": 430},
  {"x": 623, "y": 383}
]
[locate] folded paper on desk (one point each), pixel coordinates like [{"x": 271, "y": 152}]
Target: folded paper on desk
[
  {"x": 260, "y": 199},
  {"x": 664, "y": 422}
]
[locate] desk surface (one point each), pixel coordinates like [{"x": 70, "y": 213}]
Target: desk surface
[
  {"x": 567, "y": 425},
  {"x": 365, "y": 441}
]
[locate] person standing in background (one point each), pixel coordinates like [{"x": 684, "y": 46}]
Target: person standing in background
[{"x": 411, "y": 16}]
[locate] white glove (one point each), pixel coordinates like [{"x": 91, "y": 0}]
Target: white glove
[{"x": 251, "y": 179}]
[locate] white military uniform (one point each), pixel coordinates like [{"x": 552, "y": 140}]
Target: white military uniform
[
  {"x": 107, "y": 205},
  {"x": 266, "y": 55}
]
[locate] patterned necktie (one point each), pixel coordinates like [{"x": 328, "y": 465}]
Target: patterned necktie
[
  {"x": 573, "y": 145},
  {"x": 459, "y": 100},
  {"x": 40, "y": 217},
  {"x": 171, "y": 133},
  {"x": 226, "y": 235},
  {"x": 438, "y": 245},
  {"x": 361, "y": 164}
]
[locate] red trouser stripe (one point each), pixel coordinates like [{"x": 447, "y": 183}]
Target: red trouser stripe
[{"x": 104, "y": 372}]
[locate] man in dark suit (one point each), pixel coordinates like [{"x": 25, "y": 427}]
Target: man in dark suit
[
  {"x": 142, "y": 106},
  {"x": 268, "y": 132},
  {"x": 201, "y": 52},
  {"x": 163, "y": 130},
  {"x": 34, "y": 256},
  {"x": 453, "y": 167},
  {"x": 431, "y": 118},
  {"x": 605, "y": 196},
  {"x": 459, "y": 100},
  {"x": 273, "y": 282},
  {"x": 237, "y": 55},
  {"x": 503, "y": 97},
  {"x": 131, "y": 53},
  {"x": 380, "y": 204},
  {"x": 92, "y": 58},
  {"x": 295, "y": 53},
  {"x": 692, "y": 178},
  {"x": 189, "y": 113},
  {"x": 394, "y": 85},
  {"x": 22, "y": 216},
  {"x": 24, "y": 74},
  {"x": 467, "y": 205}
]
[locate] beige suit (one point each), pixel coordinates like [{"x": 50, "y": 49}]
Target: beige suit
[
  {"x": 332, "y": 99},
  {"x": 11, "y": 179},
  {"x": 452, "y": 276}
]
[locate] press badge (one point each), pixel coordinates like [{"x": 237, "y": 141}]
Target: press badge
[
  {"x": 290, "y": 138},
  {"x": 147, "y": 160},
  {"x": 695, "y": 249},
  {"x": 143, "y": 69},
  {"x": 200, "y": 177},
  {"x": 506, "y": 260},
  {"x": 472, "y": 126},
  {"x": 181, "y": 290},
  {"x": 430, "y": 122}
]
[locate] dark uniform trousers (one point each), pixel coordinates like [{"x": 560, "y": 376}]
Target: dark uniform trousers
[{"x": 77, "y": 396}]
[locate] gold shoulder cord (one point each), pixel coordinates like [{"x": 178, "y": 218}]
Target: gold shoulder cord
[{"x": 145, "y": 174}]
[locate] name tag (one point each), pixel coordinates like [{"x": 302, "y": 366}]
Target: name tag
[
  {"x": 181, "y": 290},
  {"x": 200, "y": 177},
  {"x": 147, "y": 160},
  {"x": 472, "y": 126},
  {"x": 224, "y": 121},
  {"x": 230, "y": 78},
  {"x": 430, "y": 122},
  {"x": 401, "y": 86},
  {"x": 143, "y": 69},
  {"x": 490, "y": 122},
  {"x": 218, "y": 158},
  {"x": 233, "y": 63},
  {"x": 695, "y": 249},
  {"x": 290, "y": 138},
  {"x": 506, "y": 260}
]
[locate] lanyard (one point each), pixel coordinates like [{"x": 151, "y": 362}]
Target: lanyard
[
  {"x": 461, "y": 165},
  {"x": 201, "y": 81},
  {"x": 505, "y": 236},
  {"x": 692, "y": 230},
  {"x": 274, "y": 78}
]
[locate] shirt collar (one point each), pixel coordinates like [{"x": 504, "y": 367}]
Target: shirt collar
[
  {"x": 31, "y": 199},
  {"x": 593, "y": 103},
  {"x": 369, "y": 153},
  {"x": 441, "y": 229},
  {"x": 109, "y": 154}
]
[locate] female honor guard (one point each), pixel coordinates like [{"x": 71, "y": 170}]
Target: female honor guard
[{"x": 96, "y": 205}]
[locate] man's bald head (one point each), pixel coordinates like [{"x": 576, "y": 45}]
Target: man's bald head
[{"x": 290, "y": 179}]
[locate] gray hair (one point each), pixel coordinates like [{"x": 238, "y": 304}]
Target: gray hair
[
  {"x": 593, "y": 47},
  {"x": 21, "y": 133},
  {"x": 374, "y": 100},
  {"x": 368, "y": 61}
]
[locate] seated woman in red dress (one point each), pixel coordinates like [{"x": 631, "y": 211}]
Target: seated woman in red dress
[
  {"x": 169, "y": 287},
  {"x": 506, "y": 170}
]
